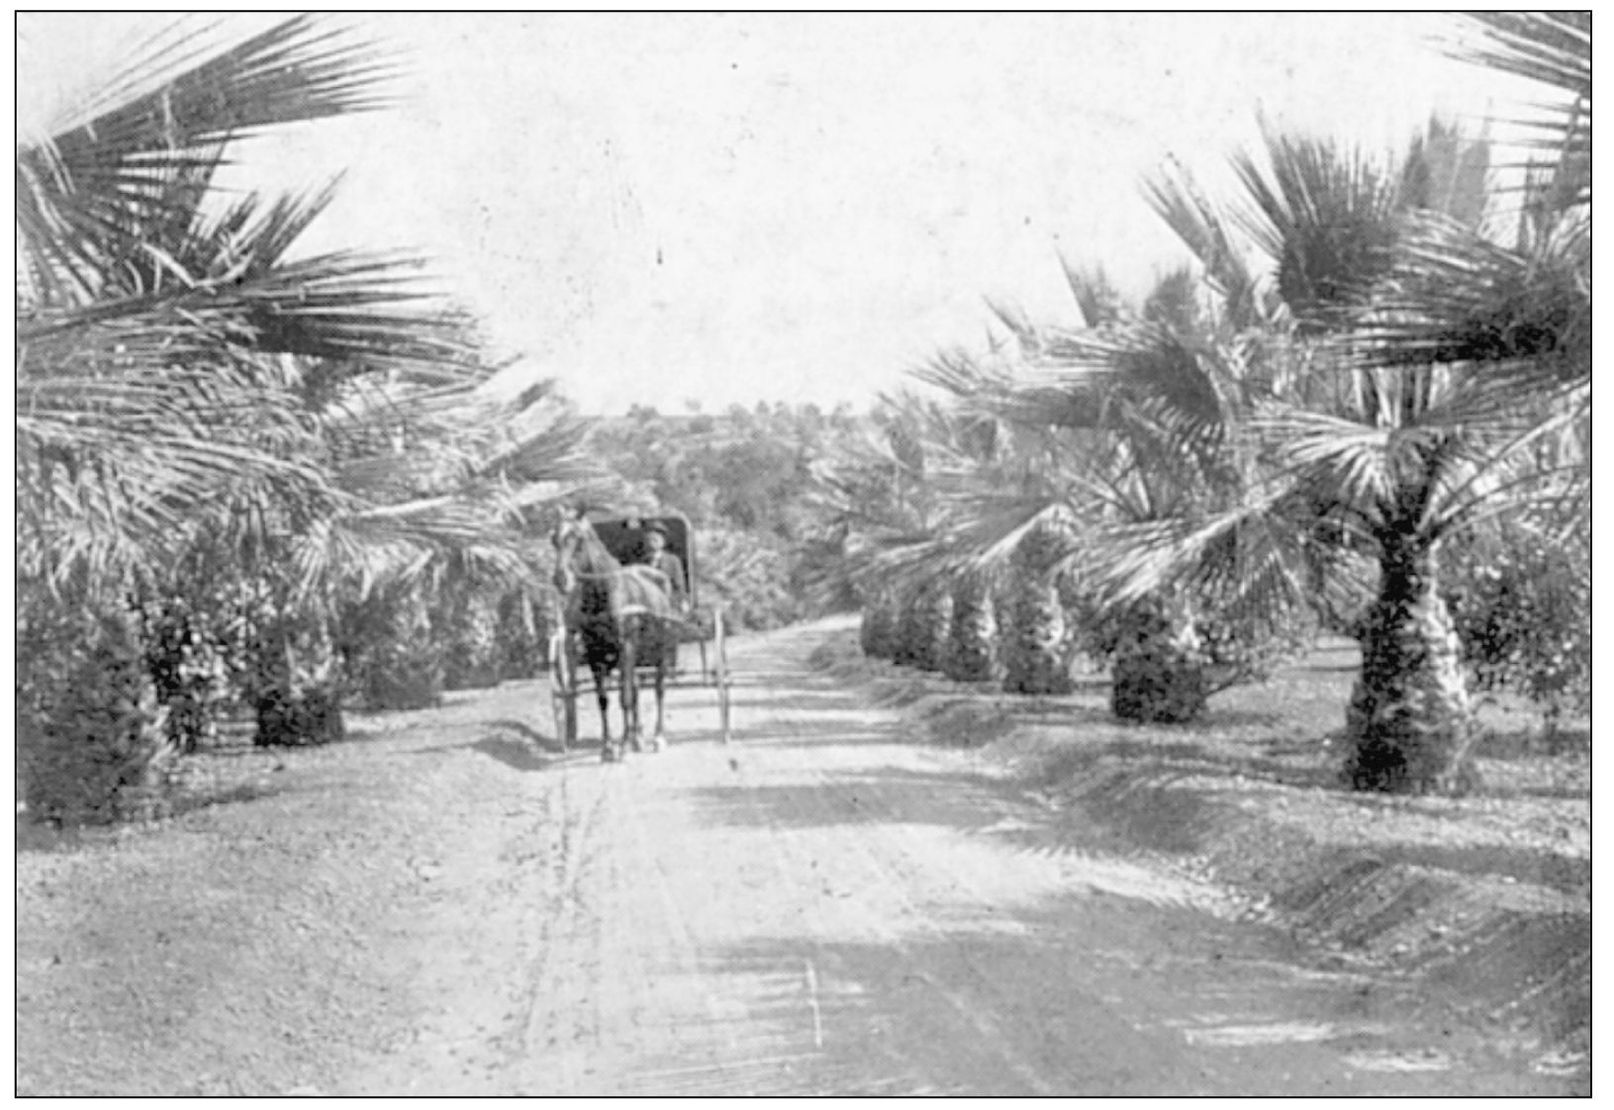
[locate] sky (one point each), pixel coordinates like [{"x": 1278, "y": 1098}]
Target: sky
[{"x": 684, "y": 210}]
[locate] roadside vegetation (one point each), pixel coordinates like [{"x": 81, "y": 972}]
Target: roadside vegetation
[
  {"x": 1364, "y": 410},
  {"x": 253, "y": 484},
  {"x": 257, "y": 487}
]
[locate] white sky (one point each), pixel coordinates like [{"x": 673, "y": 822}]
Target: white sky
[{"x": 800, "y": 208}]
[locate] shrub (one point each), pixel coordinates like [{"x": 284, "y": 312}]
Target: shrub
[
  {"x": 465, "y": 626},
  {"x": 523, "y": 636},
  {"x": 92, "y": 731},
  {"x": 877, "y": 634},
  {"x": 390, "y": 658},
  {"x": 747, "y": 576},
  {"x": 296, "y": 692},
  {"x": 189, "y": 661},
  {"x": 1522, "y": 607},
  {"x": 1236, "y": 649},
  {"x": 1157, "y": 663},
  {"x": 1166, "y": 658}
]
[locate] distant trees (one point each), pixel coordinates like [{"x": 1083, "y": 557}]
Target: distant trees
[{"x": 745, "y": 479}]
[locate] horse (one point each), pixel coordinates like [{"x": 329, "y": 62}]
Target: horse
[{"x": 625, "y": 618}]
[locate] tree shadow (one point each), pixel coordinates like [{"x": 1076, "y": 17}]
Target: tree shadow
[
  {"x": 518, "y": 755},
  {"x": 887, "y": 795},
  {"x": 520, "y": 747},
  {"x": 1566, "y": 873},
  {"x": 820, "y": 729},
  {"x": 1115, "y": 818},
  {"x": 1528, "y": 744},
  {"x": 806, "y": 697},
  {"x": 1215, "y": 717},
  {"x": 1277, "y": 763},
  {"x": 794, "y": 738},
  {"x": 521, "y": 728},
  {"x": 1059, "y": 712},
  {"x": 1084, "y": 995},
  {"x": 1562, "y": 793}
]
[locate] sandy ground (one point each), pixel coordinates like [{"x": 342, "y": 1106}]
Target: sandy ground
[{"x": 448, "y": 905}]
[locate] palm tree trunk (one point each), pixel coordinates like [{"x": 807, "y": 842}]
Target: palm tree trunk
[
  {"x": 1409, "y": 724},
  {"x": 1034, "y": 658},
  {"x": 877, "y": 633},
  {"x": 971, "y": 654},
  {"x": 912, "y": 636},
  {"x": 933, "y": 624}
]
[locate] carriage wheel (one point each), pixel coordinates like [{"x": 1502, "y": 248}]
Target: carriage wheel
[
  {"x": 720, "y": 650},
  {"x": 563, "y": 688}
]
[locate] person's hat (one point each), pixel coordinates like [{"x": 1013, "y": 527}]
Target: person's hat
[{"x": 657, "y": 527}]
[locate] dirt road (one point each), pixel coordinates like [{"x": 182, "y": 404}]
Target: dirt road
[
  {"x": 817, "y": 908},
  {"x": 820, "y": 908}
]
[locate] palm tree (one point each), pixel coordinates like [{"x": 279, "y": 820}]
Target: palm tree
[
  {"x": 1118, "y": 423},
  {"x": 1378, "y": 424},
  {"x": 140, "y": 394},
  {"x": 152, "y": 326},
  {"x": 877, "y": 493},
  {"x": 183, "y": 381},
  {"x": 444, "y": 484},
  {"x": 1493, "y": 343}
]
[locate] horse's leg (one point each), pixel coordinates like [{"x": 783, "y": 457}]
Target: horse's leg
[
  {"x": 667, "y": 659},
  {"x": 630, "y": 689},
  {"x": 602, "y": 693},
  {"x": 660, "y": 740}
]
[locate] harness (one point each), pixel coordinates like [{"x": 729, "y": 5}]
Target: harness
[{"x": 628, "y": 609}]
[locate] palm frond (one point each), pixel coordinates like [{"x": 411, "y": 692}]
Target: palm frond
[
  {"x": 1099, "y": 302},
  {"x": 1456, "y": 297},
  {"x": 1195, "y": 220},
  {"x": 343, "y": 306},
  {"x": 1324, "y": 214},
  {"x": 1555, "y": 50},
  {"x": 143, "y": 154},
  {"x": 1356, "y": 459}
]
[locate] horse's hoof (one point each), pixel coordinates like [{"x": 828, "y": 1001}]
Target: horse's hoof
[
  {"x": 658, "y": 743},
  {"x": 607, "y": 754}
]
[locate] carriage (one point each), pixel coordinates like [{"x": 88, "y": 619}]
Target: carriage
[{"x": 701, "y": 628}]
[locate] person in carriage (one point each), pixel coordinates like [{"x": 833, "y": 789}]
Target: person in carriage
[{"x": 653, "y": 552}]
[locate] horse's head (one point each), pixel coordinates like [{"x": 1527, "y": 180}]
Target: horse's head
[
  {"x": 568, "y": 541},
  {"x": 578, "y": 552}
]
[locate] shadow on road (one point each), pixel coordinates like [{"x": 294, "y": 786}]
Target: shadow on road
[
  {"x": 1086, "y": 996},
  {"x": 816, "y": 730},
  {"x": 520, "y": 747},
  {"x": 972, "y": 804},
  {"x": 518, "y": 755}
]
